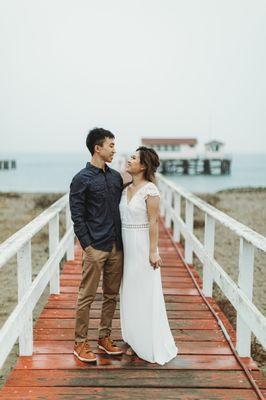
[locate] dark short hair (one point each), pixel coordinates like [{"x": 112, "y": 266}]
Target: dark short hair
[
  {"x": 150, "y": 159},
  {"x": 97, "y": 136}
]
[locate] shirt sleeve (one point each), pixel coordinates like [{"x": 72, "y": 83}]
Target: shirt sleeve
[
  {"x": 77, "y": 202},
  {"x": 151, "y": 190}
]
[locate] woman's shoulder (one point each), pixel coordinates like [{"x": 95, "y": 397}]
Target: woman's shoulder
[{"x": 151, "y": 190}]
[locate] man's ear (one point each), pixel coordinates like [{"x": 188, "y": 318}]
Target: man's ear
[{"x": 96, "y": 148}]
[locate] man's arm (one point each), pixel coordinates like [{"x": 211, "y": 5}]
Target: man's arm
[{"x": 77, "y": 202}]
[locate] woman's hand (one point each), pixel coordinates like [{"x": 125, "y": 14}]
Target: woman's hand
[{"x": 155, "y": 260}]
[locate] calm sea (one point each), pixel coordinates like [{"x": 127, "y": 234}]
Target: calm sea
[{"x": 53, "y": 173}]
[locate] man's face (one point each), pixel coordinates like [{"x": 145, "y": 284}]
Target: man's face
[{"x": 107, "y": 150}]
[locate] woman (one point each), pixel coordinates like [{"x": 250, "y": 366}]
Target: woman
[{"x": 143, "y": 316}]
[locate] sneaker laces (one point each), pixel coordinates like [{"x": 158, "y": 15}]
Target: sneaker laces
[
  {"x": 110, "y": 340},
  {"x": 86, "y": 347},
  {"x": 113, "y": 343}
]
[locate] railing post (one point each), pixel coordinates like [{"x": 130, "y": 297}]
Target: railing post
[
  {"x": 70, "y": 251},
  {"x": 245, "y": 283},
  {"x": 189, "y": 225},
  {"x": 177, "y": 211},
  {"x": 24, "y": 282},
  {"x": 209, "y": 238},
  {"x": 53, "y": 244},
  {"x": 163, "y": 200},
  {"x": 168, "y": 207}
]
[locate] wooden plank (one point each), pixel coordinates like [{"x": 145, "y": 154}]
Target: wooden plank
[
  {"x": 183, "y": 361},
  {"x": 167, "y": 291},
  {"x": 179, "y": 335},
  {"x": 97, "y": 305},
  {"x": 204, "y": 368},
  {"x": 57, "y": 323},
  {"x": 179, "y": 284},
  {"x": 110, "y": 393},
  {"x": 165, "y": 278},
  {"x": 129, "y": 378},
  {"x": 260, "y": 378},
  {"x": 169, "y": 298},
  {"x": 62, "y": 347},
  {"x": 70, "y": 313}
]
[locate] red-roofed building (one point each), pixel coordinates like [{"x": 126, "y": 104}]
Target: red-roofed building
[{"x": 173, "y": 148}]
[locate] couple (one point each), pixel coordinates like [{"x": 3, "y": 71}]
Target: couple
[{"x": 127, "y": 255}]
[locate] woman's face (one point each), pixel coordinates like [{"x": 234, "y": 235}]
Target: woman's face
[{"x": 134, "y": 166}]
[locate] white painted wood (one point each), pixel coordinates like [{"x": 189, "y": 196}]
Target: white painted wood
[
  {"x": 70, "y": 255},
  {"x": 10, "y": 247},
  {"x": 189, "y": 225},
  {"x": 24, "y": 276},
  {"x": 168, "y": 208},
  {"x": 239, "y": 229},
  {"x": 253, "y": 317},
  {"x": 209, "y": 238},
  {"x": 53, "y": 245},
  {"x": 163, "y": 199},
  {"x": 19, "y": 323},
  {"x": 15, "y": 322},
  {"x": 245, "y": 283},
  {"x": 177, "y": 212},
  {"x": 240, "y": 296}
]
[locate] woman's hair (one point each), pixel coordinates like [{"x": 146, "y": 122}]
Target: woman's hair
[{"x": 150, "y": 159}]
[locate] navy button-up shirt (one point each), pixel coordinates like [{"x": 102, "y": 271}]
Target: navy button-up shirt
[{"x": 94, "y": 203}]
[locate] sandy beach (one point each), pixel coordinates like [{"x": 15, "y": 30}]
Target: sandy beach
[{"x": 245, "y": 205}]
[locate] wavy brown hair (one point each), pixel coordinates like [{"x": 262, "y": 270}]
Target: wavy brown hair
[{"x": 150, "y": 159}]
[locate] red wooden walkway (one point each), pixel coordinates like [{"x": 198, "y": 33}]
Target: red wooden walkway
[{"x": 205, "y": 367}]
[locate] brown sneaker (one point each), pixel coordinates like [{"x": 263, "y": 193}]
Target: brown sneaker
[
  {"x": 130, "y": 352},
  {"x": 109, "y": 346},
  {"x": 83, "y": 352}
]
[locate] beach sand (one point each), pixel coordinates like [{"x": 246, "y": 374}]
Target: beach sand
[{"x": 245, "y": 205}]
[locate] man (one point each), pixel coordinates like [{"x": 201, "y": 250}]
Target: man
[{"x": 95, "y": 194}]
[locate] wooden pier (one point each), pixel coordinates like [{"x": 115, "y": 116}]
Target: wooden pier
[
  {"x": 8, "y": 164},
  {"x": 205, "y": 367},
  {"x": 213, "y": 362},
  {"x": 180, "y": 156},
  {"x": 197, "y": 166}
]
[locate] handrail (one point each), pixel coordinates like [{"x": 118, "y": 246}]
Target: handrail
[
  {"x": 239, "y": 229},
  {"x": 20, "y": 323},
  {"x": 11, "y": 246},
  {"x": 249, "y": 318}
]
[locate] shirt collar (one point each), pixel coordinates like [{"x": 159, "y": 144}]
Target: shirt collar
[{"x": 96, "y": 169}]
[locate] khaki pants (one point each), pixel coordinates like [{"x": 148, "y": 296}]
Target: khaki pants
[{"x": 94, "y": 261}]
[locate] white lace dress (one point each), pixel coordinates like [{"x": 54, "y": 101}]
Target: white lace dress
[{"x": 143, "y": 316}]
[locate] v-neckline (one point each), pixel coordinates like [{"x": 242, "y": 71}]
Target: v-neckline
[{"x": 128, "y": 202}]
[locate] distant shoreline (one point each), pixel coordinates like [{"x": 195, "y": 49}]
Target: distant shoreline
[{"x": 240, "y": 189}]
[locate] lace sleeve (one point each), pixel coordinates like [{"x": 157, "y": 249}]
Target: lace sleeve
[{"x": 151, "y": 190}]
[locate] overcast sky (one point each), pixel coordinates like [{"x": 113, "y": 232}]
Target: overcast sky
[{"x": 162, "y": 68}]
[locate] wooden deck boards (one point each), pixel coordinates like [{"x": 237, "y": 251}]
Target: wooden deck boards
[{"x": 205, "y": 367}]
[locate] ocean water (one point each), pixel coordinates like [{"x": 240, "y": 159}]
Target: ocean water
[{"x": 53, "y": 173}]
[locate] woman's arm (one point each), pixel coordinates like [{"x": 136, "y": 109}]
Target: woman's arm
[{"x": 153, "y": 206}]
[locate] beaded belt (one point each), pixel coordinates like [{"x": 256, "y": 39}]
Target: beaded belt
[{"x": 135, "y": 226}]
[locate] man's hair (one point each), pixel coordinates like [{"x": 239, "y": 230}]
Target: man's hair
[{"x": 97, "y": 136}]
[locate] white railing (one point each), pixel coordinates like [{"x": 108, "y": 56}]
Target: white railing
[
  {"x": 249, "y": 318},
  {"x": 19, "y": 324}
]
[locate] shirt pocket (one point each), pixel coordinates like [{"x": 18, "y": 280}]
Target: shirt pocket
[
  {"x": 99, "y": 191},
  {"x": 116, "y": 187}
]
